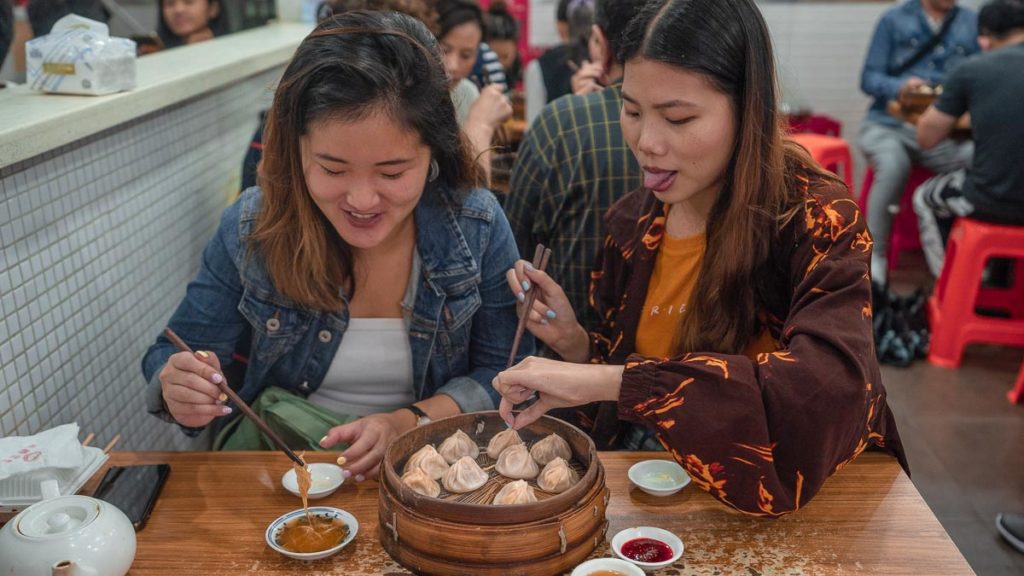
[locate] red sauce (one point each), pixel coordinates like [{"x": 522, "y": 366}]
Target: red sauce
[{"x": 647, "y": 550}]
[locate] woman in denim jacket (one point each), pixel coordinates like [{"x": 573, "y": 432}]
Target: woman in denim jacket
[{"x": 365, "y": 227}]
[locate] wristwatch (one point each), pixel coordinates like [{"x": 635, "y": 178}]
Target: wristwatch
[{"x": 421, "y": 416}]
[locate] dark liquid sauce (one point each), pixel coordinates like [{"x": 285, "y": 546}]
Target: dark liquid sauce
[
  {"x": 299, "y": 536},
  {"x": 647, "y": 550}
]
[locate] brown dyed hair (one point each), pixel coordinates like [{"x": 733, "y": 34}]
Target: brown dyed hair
[
  {"x": 728, "y": 43},
  {"x": 350, "y": 67}
]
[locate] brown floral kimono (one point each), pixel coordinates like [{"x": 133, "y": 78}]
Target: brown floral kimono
[{"x": 761, "y": 435}]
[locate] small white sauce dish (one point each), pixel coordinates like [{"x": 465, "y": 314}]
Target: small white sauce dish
[
  {"x": 658, "y": 477},
  {"x": 277, "y": 526},
  {"x": 648, "y": 532},
  {"x": 326, "y": 478},
  {"x": 597, "y": 564}
]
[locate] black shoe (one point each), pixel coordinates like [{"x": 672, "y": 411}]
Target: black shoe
[{"x": 1011, "y": 527}]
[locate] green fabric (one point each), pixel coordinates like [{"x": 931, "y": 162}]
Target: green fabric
[{"x": 297, "y": 421}]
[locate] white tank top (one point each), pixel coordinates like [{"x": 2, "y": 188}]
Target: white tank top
[{"x": 372, "y": 370}]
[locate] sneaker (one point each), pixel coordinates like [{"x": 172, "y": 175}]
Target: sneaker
[{"x": 1011, "y": 527}]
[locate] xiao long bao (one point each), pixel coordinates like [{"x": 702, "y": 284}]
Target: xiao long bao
[
  {"x": 515, "y": 462},
  {"x": 465, "y": 475},
  {"x": 458, "y": 445},
  {"x": 551, "y": 447},
  {"x": 501, "y": 441},
  {"x": 518, "y": 492},
  {"x": 420, "y": 482},
  {"x": 557, "y": 476},
  {"x": 429, "y": 460}
]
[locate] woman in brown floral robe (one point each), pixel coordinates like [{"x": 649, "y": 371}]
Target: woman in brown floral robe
[{"x": 734, "y": 287}]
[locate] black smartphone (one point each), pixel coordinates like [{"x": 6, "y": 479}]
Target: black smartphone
[{"x": 133, "y": 489}]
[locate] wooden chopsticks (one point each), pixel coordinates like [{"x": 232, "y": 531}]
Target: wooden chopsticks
[
  {"x": 180, "y": 344},
  {"x": 540, "y": 262}
]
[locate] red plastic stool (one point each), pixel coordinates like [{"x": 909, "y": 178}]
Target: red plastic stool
[
  {"x": 905, "y": 235},
  {"x": 831, "y": 152},
  {"x": 1017, "y": 394},
  {"x": 951, "y": 308}
]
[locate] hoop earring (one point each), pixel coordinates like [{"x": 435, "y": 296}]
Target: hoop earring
[{"x": 435, "y": 171}]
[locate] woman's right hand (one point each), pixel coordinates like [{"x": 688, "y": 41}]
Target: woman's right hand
[
  {"x": 492, "y": 108},
  {"x": 189, "y": 387},
  {"x": 552, "y": 318},
  {"x": 589, "y": 78}
]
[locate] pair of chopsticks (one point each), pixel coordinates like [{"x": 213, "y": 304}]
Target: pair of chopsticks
[
  {"x": 108, "y": 447},
  {"x": 180, "y": 344},
  {"x": 541, "y": 255}
]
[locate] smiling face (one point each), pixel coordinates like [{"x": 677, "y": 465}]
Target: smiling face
[
  {"x": 188, "y": 17},
  {"x": 458, "y": 50},
  {"x": 366, "y": 176},
  {"x": 681, "y": 129}
]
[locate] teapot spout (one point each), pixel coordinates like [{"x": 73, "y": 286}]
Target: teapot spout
[{"x": 68, "y": 568}]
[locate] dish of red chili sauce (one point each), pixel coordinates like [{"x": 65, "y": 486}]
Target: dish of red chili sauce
[{"x": 647, "y": 550}]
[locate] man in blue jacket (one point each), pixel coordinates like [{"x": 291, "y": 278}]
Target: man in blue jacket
[{"x": 915, "y": 44}]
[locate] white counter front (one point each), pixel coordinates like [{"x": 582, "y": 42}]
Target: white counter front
[{"x": 106, "y": 204}]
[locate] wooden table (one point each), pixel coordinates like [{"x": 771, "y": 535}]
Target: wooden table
[{"x": 868, "y": 519}]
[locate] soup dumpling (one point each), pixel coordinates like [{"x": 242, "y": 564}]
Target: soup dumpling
[
  {"x": 465, "y": 475},
  {"x": 420, "y": 482},
  {"x": 518, "y": 492},
  {"x": 502, "y": 440},
  {"x": 429, "y": 460},
  {"x": 557, "y": 476},
  {"x": 551, "y": 447},
  {"x": 458, "y": 445},
  {"x": 515, "y": 462}
]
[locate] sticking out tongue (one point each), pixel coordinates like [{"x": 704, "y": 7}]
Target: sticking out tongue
[{"x": 658, "y": 181}]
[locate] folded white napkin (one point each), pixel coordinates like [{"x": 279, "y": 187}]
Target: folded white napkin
[{"x": 56, "y": 448}]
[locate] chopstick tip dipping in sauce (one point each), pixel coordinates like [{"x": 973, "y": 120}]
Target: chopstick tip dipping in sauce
[{"x": 647, "y": 550}]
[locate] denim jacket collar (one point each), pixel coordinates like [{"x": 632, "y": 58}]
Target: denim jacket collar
[{"x": 446, "y": 258}]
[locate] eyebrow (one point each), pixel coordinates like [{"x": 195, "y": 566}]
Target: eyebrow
[
  {"x": 392, "y": 162},
  {"x": 661, "y": 105}
]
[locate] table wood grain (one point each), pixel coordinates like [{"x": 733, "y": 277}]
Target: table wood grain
[{"x": 868, "y": 519}]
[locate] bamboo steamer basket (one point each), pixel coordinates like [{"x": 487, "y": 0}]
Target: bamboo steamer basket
[{"x": 441, "y": 537}]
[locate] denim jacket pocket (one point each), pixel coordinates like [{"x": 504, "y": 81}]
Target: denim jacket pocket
[{"x": 276, "y": 328}]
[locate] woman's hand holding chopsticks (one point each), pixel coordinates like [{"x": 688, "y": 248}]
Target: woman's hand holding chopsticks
[
  {"x": 551, "y": 317},
  {"x": 189, "y": 386}
]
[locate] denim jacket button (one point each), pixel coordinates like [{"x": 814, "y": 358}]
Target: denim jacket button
[
  {"x": 304, "y": 386},
  {"x": 325, "y": 336},
  {"x": 273, "y": 324}
]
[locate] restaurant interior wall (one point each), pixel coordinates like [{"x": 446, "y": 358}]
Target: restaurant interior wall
[{"x": 102, "y": 255}]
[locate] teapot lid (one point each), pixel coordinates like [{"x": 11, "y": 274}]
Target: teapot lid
[{"x": 58, "y": 517}]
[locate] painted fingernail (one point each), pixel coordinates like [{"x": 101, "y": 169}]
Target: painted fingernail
[
  {"x": 217, "y": 378},
  {"x": 342, "y": 460},
  {"x": 322, "y": 440},
  {"x": 225, "y": 410},
  {"x": 550, "y": 314},
  {"x": 223, "y": 397},
  {"x": 346, "y": 473},
  {"x": 529, "y": 266},
  {"x": 360, "y": 477},
  {"x": 521, "y": 297},
  {"x": 526, "y": 284},
  {"x": 203, "y": 353},
  {"x": 544, "y": 321}
]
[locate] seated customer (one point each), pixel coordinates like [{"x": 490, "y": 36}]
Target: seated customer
[
  {"x": 990, "y": 88},
  {"x": 503, "y": 39},
  {"x": 733, "y": 287},
  {"x": 190, "y": 21},
  {"x": 366, "y": 268}
]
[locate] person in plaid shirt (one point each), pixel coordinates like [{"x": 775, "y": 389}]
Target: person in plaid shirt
[{"x": 572, "y": 166}]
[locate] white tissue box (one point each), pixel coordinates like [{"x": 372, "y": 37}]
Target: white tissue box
[{"x": 80, "y": 57}]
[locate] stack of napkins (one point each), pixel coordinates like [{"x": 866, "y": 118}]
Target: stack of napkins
[
  {"x": 55, "y": 454},
  {"x": 79, "y": 56}
]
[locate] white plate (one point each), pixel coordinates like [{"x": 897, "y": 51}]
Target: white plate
[
  {"x": 320, "y": 511},
  {"x": 658, "y": 477},
  {"x": 648, "y": 532},
  {"x": 326, "y": 479},
  {"x": 591, "y": 566}
]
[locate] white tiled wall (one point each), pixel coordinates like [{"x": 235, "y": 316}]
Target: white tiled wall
[{"x": 99, "y": 239}]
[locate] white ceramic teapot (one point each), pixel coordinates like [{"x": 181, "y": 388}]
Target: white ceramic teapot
[{"x": 67, "y": 536}]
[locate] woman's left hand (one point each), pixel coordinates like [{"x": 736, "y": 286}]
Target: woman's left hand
[
  {"x": 367, "y": 438},
  {"x": 557, "y": 385}
]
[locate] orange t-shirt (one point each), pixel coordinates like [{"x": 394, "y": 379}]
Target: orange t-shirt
[{"x": 668, "y": 294}]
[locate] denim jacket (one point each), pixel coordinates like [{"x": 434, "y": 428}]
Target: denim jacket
[
  {"x": 899, "y": 34},
  {"x": 461, "y": 323}
]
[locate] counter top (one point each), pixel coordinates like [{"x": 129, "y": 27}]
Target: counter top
[{"x": 32, "y": 123}]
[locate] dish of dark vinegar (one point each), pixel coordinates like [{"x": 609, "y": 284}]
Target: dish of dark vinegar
[{"x": 324, "y": 533}]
